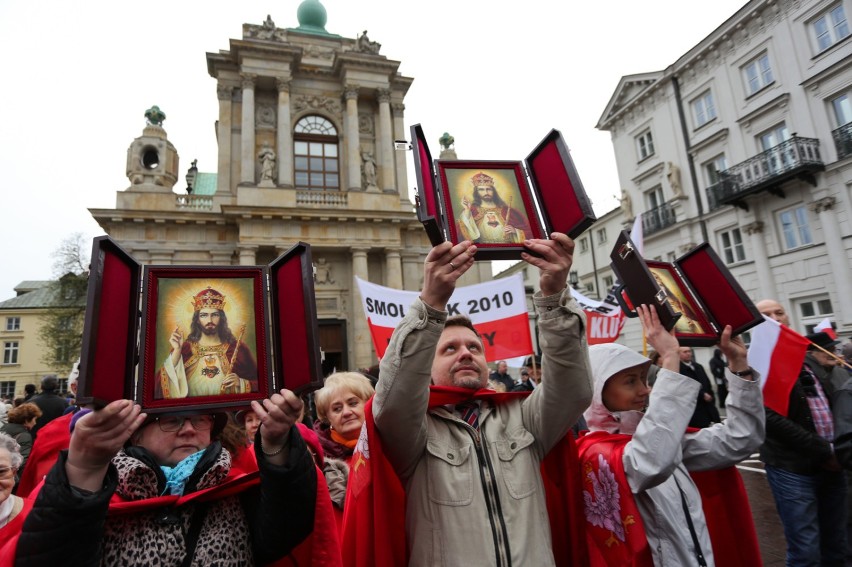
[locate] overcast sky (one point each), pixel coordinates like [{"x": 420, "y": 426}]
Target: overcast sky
[{"x": 496, "y": 75}]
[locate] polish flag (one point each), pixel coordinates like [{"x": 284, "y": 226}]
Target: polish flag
[
  {"x": 777, "y": 353},
  {"x": 824, "y": 326}
]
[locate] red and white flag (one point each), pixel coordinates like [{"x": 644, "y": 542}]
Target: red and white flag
[
  {"x": 824, "y": 326},
  {"x": 498, "y": 310},
  {"x": 777, "y": 353}
]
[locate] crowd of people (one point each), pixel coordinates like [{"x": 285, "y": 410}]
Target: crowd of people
[{"x": 592, "y": 456}]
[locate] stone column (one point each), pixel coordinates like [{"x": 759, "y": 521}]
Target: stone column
[
  {"x": 824, "y": 208},
  {"x": 761, "y": 260},
  {"x": 360, "y": 331},
  {"x": 412, "y": 270},
  {"x": 384, "y": 143},
  {"x": 248, "y": 254},
  {"x": 401, "y": 169},
  {"x": 223, "y": 179},
  {"x": 285, "y": 135},
  {"x": 393, "y": 266},
  {"x": 247, "y": 137},
  {"x": 353, "y": 138}
]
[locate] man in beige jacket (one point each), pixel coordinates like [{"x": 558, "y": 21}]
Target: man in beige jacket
[{"x": 474, "y": 493}]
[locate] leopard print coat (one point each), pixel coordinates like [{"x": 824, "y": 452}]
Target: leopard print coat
[{"x": 158, "y": 538}]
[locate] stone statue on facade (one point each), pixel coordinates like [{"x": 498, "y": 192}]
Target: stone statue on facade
[
  {"x": 267, "y": 30},
  {"x": 626, "y": 204},
  {"x": 322, "y": 272},
  {"x": 368, "y": 171},
  {"x": 673, "y": 175},
  {"x": 154, "y": 116},
  {"x": 364, "y": 45},
  {"x": 267, "y": 163}
]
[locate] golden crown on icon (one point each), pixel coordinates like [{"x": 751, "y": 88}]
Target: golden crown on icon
[
  {"x": 482, "y": 180},
  {"x": 208, "y": 299}
]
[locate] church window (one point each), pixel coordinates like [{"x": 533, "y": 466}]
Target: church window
[{"x": 316, "y": 159}]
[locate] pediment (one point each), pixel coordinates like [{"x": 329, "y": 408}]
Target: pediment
[{"x": 628, "y": 89}]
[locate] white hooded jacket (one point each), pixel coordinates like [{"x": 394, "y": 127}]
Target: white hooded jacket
[{"x": 658, "y": 459}]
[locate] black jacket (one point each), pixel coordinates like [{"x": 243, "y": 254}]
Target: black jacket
[
  {"x": 51, "y": 405},
  {"x": 792, "y": 442},
  {"x": 66, "y": 526},
  {"x": 705, "y": 412}
]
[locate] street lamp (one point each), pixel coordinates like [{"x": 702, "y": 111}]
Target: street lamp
[{"x": 573, "y": 279}]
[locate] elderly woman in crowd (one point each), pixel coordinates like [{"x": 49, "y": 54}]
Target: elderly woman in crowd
[
  {"x": 118, "y": 453},
  {"x": 340, "y": 409},
  {"x": 21, "y": 421},
  {"x": 12, "y": 508}
]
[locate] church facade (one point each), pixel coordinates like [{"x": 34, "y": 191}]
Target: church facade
[{"x": 306, "y": 128}]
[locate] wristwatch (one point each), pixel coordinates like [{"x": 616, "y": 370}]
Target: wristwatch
[{"x": 741, "y": 373}]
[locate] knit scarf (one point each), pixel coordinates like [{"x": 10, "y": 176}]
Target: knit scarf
[
  {"x": 348, "y": 443},
  {"x": 177, "y": 476}
]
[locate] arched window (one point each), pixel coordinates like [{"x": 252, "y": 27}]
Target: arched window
[{"x": 317, "y": 161}]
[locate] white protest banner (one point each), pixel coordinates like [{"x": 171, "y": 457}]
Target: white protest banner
[
  {"x": 604, "y": 319},
  {"x": 497, "y": 308}
]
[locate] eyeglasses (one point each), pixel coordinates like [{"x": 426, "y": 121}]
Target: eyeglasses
[
  {"x": 172, "y": 423},
  {"x": 7, "y": 472}
]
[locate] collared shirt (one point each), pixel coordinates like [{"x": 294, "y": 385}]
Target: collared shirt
[{"x": 820, "y": 410}]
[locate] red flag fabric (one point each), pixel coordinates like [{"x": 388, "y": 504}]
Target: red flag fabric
[
  {"x": 777, "y": 353},
  {"x": 618, "y": 539},
  {"x": 374, "y": 512},
  {"x": 824, "y": 326},
  {"x": 10, "y": 533},
  {"x": 615, "y": 533}
]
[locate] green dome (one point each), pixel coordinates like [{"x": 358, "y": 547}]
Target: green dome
[{"x": 312, "y": 16}]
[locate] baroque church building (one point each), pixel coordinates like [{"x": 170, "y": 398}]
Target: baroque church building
[{"x": 306, "y": 129}]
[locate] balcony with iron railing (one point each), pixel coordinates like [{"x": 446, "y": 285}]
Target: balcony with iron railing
[
  {"x": 658, "y": 218},
  {"x": 843, "y": 141},
  {"x": 796, "y": 158}
]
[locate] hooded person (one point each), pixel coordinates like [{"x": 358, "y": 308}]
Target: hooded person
[{"x": 642, "y": 505}]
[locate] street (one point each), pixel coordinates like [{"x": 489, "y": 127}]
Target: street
[{"x": 770, "y": 534}]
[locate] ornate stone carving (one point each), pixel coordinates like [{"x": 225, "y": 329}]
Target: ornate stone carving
[
  {"x": 684, "y": 248},
  {"x": 364, "y": 45},
  {"x": 824, "y": 204},
  {"x": 383, "y": 95},
  {"x": 282, "y": 84},
  {"x": 224, "y": 92},
  {"x": 365, "y": 123},
  {"x": 754, "y": 228},
  {"x": 350, "y": 92},
  {"x": 247, "y": 80},
  {"x": 267, "y": 163},
  {"x": 673, "y": 175},
  {"x": 398, "y": 108},
  {"x": 266, "y": 31},
  {"x": 626, "y": 204},
  {"x": 318, "y": 53},
  {"x": 265, "y": 116},
  {"x": 368, "y": 171},
  {"x": 322, "y": 272},
  {"x": 316, "y": 102}
]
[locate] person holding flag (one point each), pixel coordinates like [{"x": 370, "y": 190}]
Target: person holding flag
[
  {"x": 470, "y": 468},
  {"x": 802, "y": 469}
]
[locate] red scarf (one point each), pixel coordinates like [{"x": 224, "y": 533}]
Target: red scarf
[
  {"x": 10, "y": 533},
  {"x": 374, "y": 513},
  {"x": 723, "y": 500}
]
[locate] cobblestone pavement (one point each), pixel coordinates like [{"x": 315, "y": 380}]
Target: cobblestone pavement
[{"x": 770, "y": 534}]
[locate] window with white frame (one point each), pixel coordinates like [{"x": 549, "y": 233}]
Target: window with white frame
[
  {"x": 703, "y": 109},
  {"x": 770, "y": 143},
  {"x": 10, "y": 352},
  {"x": 757, "y": 73},
  {"x": 714, "y": 167},
  {"x": 584, "y": 244},
  {"x": 842, "y": 107},
  {"x": 813, "y": 310},
  {"x": 590, "y": 288},
  {"x": 7, "y": 389},
  {"x": 830, "y": 27},
  {"x": 732, "y": 246},
  {"x": 601, "y": 232},
  {"x": 608, "y": 281},
  {"x": 645, "y": 145},
  {"x": 13, "y": 323},
  {"x": 654, "y": 197},
  {"x": 795, "y": 227}
]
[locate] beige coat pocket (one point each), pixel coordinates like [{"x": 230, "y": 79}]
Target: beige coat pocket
[
  {"x": 450, "y": 473},
  {"x": 518, "y": 463}
]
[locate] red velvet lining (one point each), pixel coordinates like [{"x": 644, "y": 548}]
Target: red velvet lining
[
  {"x": 715, "y": 285},
  {"x": 117, "y": 303},
  {"x": 293, "y": 349},
  {"x": 555, "y": 189}
]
